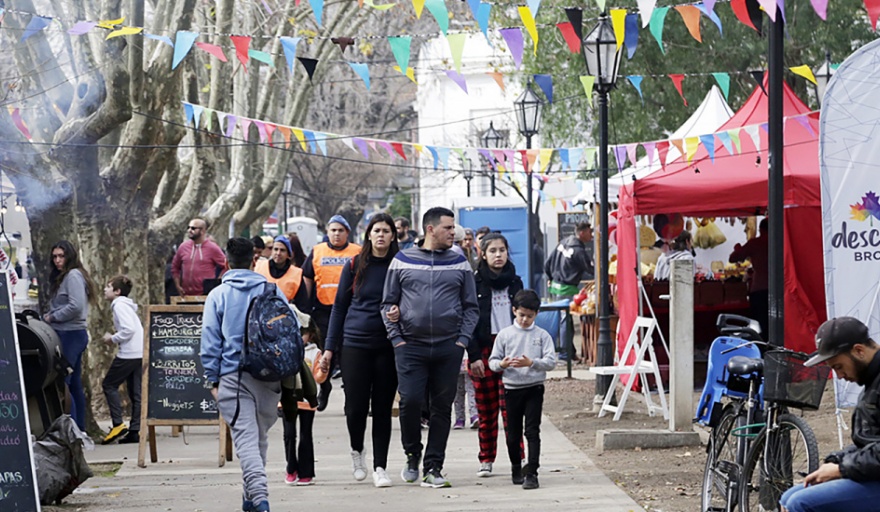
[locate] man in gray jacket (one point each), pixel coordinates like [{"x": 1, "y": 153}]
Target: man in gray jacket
[{"x": 435, "y": 292}]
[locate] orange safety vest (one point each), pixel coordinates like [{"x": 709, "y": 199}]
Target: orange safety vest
[
  {"x": 289, "y": 282},
  {"x": 327, "y": 263}
]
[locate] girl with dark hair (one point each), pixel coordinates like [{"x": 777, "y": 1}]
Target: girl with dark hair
[
  {"x": 70, "y": 291},
  {"x": 497, "y": 284},
  {"x": 368, "y": 371},
  {"x": 299, "y": 256},
  {"x": 681, "y": 249}
]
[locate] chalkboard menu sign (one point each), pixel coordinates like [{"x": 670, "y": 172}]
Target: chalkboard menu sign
[
  {"x": 568, "y": 221},
  {"x": 177, "y": 387},
  {"x": 18, "y": 488}
]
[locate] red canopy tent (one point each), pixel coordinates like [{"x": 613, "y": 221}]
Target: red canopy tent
[{"x": 735, "y": 185}]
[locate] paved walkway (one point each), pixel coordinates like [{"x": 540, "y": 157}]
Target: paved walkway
[{"x": 187, "y": 478}]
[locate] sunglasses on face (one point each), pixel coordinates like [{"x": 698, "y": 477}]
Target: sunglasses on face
[{"x": 193, "y": 228}]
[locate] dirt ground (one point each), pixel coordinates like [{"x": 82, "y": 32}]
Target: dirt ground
[{"x": 667, "y": 480}]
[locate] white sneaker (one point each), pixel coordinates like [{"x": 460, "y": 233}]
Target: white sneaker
[
  {"x": 485, "y": 470},
  {"x": 358, "y": 465},
  {"x": 381, "y": 478}
]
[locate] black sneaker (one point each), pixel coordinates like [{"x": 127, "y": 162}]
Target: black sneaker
[
  {"x": 530, "y": 480},
  {"x": 410, "y": 472},
  {"x": 516, "y": 475},
  {"x": 132, "y": 437},
  {"x": 324, "y": 395}
]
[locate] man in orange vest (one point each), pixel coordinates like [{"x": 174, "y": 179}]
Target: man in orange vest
[
  {"x": 321, "y": 273},
  {"x": 279, "y": 269}
]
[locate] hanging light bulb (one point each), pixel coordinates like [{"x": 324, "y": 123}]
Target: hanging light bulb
[
  {"x": 3, "y": 208},
  {"x": 18, "y": 206}
]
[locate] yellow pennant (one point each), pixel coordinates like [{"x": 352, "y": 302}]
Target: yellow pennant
[
  {"x": 124, "y": 31},
  {"x": 109, "y": 24},
  {"x": 805, "y": 72},
  {"x": 300, "y": 137},
  {"x": 529, "y": 22},
  {"x": 618, "y": 21},
  {"x": 545, "y": 155},
  {"x": 692, "y": 144},
  {"x": 381, "y": 7},
  {"x": 418, "y": 5},
  {"x": 410, "y": 73}
]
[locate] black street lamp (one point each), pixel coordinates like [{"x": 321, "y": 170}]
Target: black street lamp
[
  {"x": 467, "y": 171},
  {"x": 823, "y": 76},
  {"x": 603, "y": 60},
  {"x": 492, "y": 139},
  {"x": 528, "y": 116},
  {"x": 286, "y": 191}
]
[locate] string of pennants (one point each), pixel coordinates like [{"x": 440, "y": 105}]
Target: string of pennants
[{"x": 624, "y": 21}]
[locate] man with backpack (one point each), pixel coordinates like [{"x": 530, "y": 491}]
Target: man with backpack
[{"x": 239, "y": 315}]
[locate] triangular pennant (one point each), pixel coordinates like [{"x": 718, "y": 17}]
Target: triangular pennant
[
  {"x": 769, "y": 7},
  {"x": 636, "y": 81},
  {"x": 231, "y": 121},
  {"x": 758, "y": 76},
  {"x": 197, "y": 115},
  {"x": 321, "y": 139},
  {"x": 270, "y": 129},
  {"x": 214, "y": 50},
  {"x": 754, "y": 132},
  {"x": 575, "y": 16},
  {"x": 691, "y": 145},
  {"x": 188, "y": 112},
  {"x": 618, "y": 22},
  {"x": 574, "y": 157},
  {"x": 242, "y": 44},
  {"x": 458, "y": 78},
  {"x": 663, "y": 152},
  {"x": 821, "y": 8},
  {"x": 342, "y": 42},
  {"x": 734, "y": 136},
  {"x": 563, "y": 159},
  {"x": 514, "y": 39},
  {"x": 658, "y": 17},
  {"x": 589, "y": 160},
  {"x": 289, "y": 46},
  {"x": 646, "y": 11},
  {"x": 804, "y": 71},
  {"x": 111, "y": 24},
  {"x": 82, "y": 27},
  {"x": 418, "y": 6},
  {"x": 444, "y": 156},
  {"x": 400, "y": 47},
  {"x": 183, "y": 43},
  {"x": 363, "y": 71},
  {"x": 434, "y": 154},
  {"x": 631, "y": 39},
  {"x": 318, "y": 9},
  {"x": 677, "y": 79},
  {"x": 534, "y": 5},
  {"x": 650, "y": 148},
  {"x": 456, "y": 48},
  {"x": 19, "y": 123},
  {"x": 544, "y": 157},
  {"x": 309, "y": 64},
  {"x": 209, "y": 124},
  {"x": 587, "y": 82},
  {"x": 362, "y": 146},
  {"x": 805, "y": 122},
  {"x": 748, "y": 12},
  {"x": 35, "y": 25},
  {"x": 691, "y": 17},
  {"x": 482, "y": 17},
  {"x": 398, "y": 148},
  {"x": 709, "y": 13},
  {"x": 724, "y": 137},
  {"x": 723, "y": 80},
  {"x": 498, "y": 77},
  {"x": 163, "y": 39},
  {"x": 529, "y": 22},
  {"x": 285, "y": 134},
  {"x": 261, "y": 56},
  {"x": 601, "y": 4},
  {"x": 708, "y": 142},
  {"x": 571, "y": 39},
  {"x": 437, "y": 8},
  {"x": 245, "y": 127},
  {"x": 631, "y": 152},
  {"x": 545, "y": 82},
  {"x": 387, "y": 147},
  {"x": 124, "y": 31},
  {"x": 261, "y": 129},
  {"x": 679, "y": 145},
  {"x": 531, "y": 156},
  {"x": 620, "y": 155}
]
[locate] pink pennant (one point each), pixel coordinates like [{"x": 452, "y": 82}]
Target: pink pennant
[
  {"x": 873, "y": 8},
  {"x": 821, "y": 8},
  {"x": 261, "y": 128},
  {"x": 631, "y": 152},
  {"x": 19, "y": 123},
  {"x": 650, "y": 147},
  {"x": 270, "y": 129},
  {"x": 242, "y": 43},
  {"x": 245, "y": 126},
  {"x": 214, "y": 50},
  {"x": 387, "y": 147}
]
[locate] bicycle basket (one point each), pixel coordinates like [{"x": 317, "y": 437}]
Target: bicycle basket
[{"x": 788, "y": 382}]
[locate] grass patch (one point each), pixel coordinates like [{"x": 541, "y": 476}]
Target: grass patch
[{"x": 105, "y": 469}]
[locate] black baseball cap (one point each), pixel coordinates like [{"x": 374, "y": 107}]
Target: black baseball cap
[{"x": 837, "y": 336}]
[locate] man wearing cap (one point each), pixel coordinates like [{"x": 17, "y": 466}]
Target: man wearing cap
[
  {"x": 279, "y": 269},
  {"x": 849, "y": 479},
  {"x": 321, "y": 273}
]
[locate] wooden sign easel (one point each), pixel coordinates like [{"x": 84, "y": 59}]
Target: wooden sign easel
[{"x": 181, "y": 325}]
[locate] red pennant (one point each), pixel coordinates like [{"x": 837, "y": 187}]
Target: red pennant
[
  {"x": 662, "y": 150},
  {"x": 873, "y": 8},
  {"x": 19, "y": 123},
  {"x": 742, "y": 13},
  {"x": 574, "y": 44},
  {"x": 691, "y": 17},
  {"x": 242, "y": 43},
  {"x": 270, "y": 129},
  {"x": 214, "y": 50},
  {"x": 525, "y": 160},
  {"x": 677, "y": 79},
  {"x": 398, "y": 148}
]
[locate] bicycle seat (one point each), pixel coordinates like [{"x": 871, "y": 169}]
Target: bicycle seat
[{"x": 741, "y": 365}]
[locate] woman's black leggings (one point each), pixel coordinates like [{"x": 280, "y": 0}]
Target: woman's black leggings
[{"x": 370, "y": 377}]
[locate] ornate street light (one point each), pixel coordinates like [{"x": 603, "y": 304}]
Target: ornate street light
[
  {"x": 492, "y": 139},
  {"x": 467, "y": 171},
  {"x": 528, "y": 116}
]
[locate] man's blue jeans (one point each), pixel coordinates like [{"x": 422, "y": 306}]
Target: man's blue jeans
[{"x": 840, "y": 495}]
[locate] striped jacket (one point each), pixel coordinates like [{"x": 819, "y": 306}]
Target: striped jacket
[{"x": 436, "y": 294}]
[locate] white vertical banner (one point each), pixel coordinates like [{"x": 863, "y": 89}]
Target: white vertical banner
[{"x": 849, "y": 162}]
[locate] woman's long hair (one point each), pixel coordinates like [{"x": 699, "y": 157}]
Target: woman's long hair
[
  {"x": 299, "y": 256},
  {"x": 367, "y": 248},
  {"x": 71, "y": 261}
]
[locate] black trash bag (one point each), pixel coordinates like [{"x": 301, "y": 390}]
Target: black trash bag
[{"x": 60, "y": 462}]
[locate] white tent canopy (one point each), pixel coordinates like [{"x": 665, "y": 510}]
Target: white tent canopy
[{"x": 709, "y": 116}]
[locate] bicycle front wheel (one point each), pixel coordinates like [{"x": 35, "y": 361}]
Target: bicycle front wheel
[
  {"x": 722, "y": 447},
  {"x": 777, "y": 460}
]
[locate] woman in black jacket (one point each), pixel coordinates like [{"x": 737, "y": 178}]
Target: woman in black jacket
[
  {"x": 497, "y": 283},
  {"x": 368, "y": 373}
]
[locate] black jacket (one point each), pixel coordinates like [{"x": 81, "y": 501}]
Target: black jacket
[
  {"x": 570, "y": 263},
  {"x": 356, "y": 320},
  {"x": 486, "y": 281},
  {"x": 861, "y": 460}
]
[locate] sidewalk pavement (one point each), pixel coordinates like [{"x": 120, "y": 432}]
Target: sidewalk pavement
[{"x": 187, "y": 478}]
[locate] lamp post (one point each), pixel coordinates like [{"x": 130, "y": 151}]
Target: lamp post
[
  {"x": 603, "y": 60},
  {"x": 528, "y": 116},
  {"x": 491, "y": 139},
  {"x": 467, "y": 171},
  {"x": 823, "y": 76},
  {"x": 286, "y": 191}
]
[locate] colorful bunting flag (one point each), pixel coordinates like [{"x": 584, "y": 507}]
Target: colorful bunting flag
[
  {"x": 636, "y": 82},
  {"x": 111, "y": 24},
  {"x": 261, "y": 130},
  {"x": 571, "y": 39},
  {"x": 400, "y": 47},
  {"x": 631, "y": 152},
  {"x": 708, "y": 142},
  {"x": 631, "y": 39},
  {"x": 677, "y": 79},
  {"x": 691, "y": 17},
  {"x": 214, "y": 50},
  {"x": 574, "y": 157},
  {"x": 342, "y": 42},
  {"x": 514, "y": 39},
  {"x": 529, "y": 22},
  {"x": 587, "y": 82},
  {"x": 754, "y": 133},
  {"x": 646, "y": 10},
  {"x": 242, "y": 44},
  {"x": 82, "y": 27},
  {"x": 261, "y": 56},
  {"x": 769, "y": 7},
  {"x": 805, "y": 122},
  {"x": 183, "y": 43},
  {"x": 658, "y": 17},
  {"x": 482, "y": 17},
  {"x": 124, "y": 31},
  {"x": 163, "y": 39},
  {"x": 691, "y": 144},
  {"x": 363, "y": 71},
  {"x": 498, "y": 77},
  {"x": 544, "y": 156},
  {"x": 709, "y": 13},
  {"x": 437, "y": 8},
  {"x": 821, "y": 8},
  {"x": 35, "y": 25},
  {"x": 456, "y": 48},
  {"x": 748, "y": 13},
  {"x": 650, "y": 148},
  {"x": 545, "y": 82},
  {"x": 362, "y": 146},
  {"x": 618, "y": 22},
  {"x": 245, "y": 127},
  {"x": 231, "y": 121},
  {"x": 758, "y": 76},
  {"x": 19, "y": 123},
  {"x": 458, "y": 78},
  {"x": 662, "y": 152},
  {"x": 309, "y": 64},
  {"x": 723, "y": 80},
  {"x": 724, "y": 137},
  {"x": 679, "y": 145},
  {"x": 589, "y": 160},
  {"x": 418, "y": 6},
  {"x": 575, "y": 16},
  {"x": 805, "y": 72},
  {"x": 288, "y": 44},
  {"x": 318, "y": 9},
  {"x": 734, "y": 136},
  {"x": 620, "y": 155}
]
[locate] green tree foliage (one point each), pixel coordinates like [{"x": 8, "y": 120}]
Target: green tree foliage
[
  {"x": 571, "y": 120},
  {"x": 400, "y": 205}
]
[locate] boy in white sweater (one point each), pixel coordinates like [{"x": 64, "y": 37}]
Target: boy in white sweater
[
  {"x": 126, "y": 366},
  {"x": 524, "y": 353}
]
